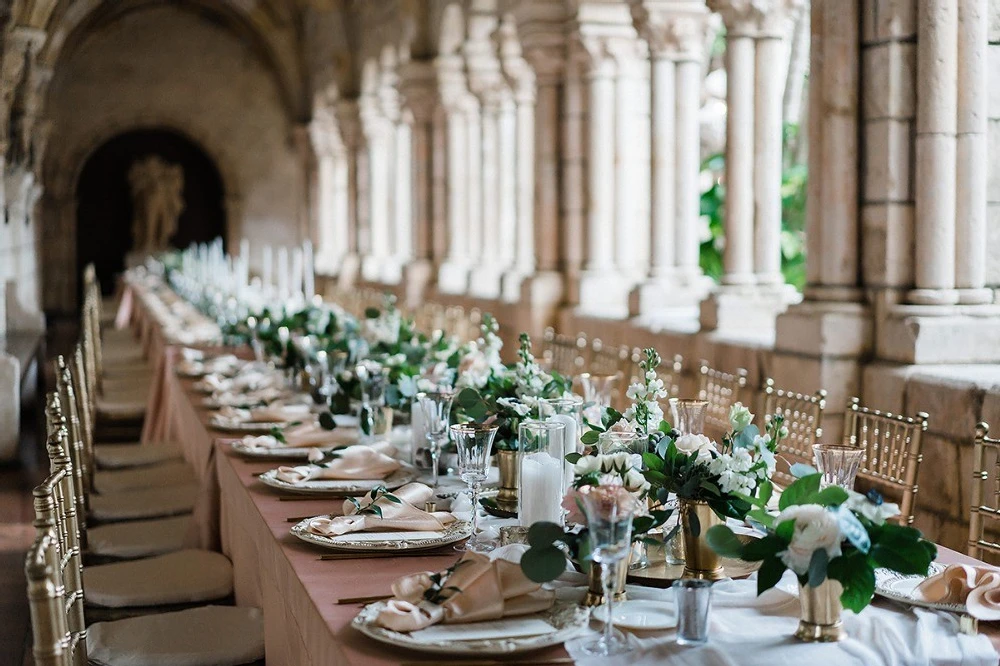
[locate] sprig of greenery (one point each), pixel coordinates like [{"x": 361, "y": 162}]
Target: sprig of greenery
[{"x": 371, "y": 507}]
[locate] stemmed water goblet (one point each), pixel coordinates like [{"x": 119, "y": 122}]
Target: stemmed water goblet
[
  {"x": 474, "y": 442},
  {"x": 435, "y": 408},
  {"x": 609, "y": 510}
]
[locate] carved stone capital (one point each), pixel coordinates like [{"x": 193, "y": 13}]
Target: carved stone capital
[
  {"x": 739, "y": 16},
  {"x": 418, "y": 88},
  {"x": 672, "y": 28},
  {"x": 757, "y": 18},
  {"x": 349, "y": 121}
]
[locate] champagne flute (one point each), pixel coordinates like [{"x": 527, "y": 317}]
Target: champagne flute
[
  {"x": 474, "y": 442},
  {"x": 609, "y": 510},
  {"x": 435, "y": 407}
]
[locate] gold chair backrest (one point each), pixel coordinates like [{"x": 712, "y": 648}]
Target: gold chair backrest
[
  {"x": 76, "y": 448},
  {"x": 564, "y": 354},
  {"x": 52, "y": 642},
  {"x": 606, "y": 359},
  {"x": 804, "y": 420},
  {"x": 55, "y": 505},
  {"x": 720, "y": 390},
  {"x": 892, "y": 445},
  {"x": 984, "y": 513}
]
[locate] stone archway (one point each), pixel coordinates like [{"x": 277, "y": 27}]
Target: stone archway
[{"x": 104, "y": 212}]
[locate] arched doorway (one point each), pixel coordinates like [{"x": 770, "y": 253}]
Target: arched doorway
[{"x": 104, "y": 199}]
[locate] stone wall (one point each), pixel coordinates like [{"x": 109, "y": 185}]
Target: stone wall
[{"x": 169, "y": 67}]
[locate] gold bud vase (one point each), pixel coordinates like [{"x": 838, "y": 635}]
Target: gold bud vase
[
  {"x": 595, "y": 586},
  {"x": 700, "y": 561},
  {"x": 510, "y": 473},
  {"x": 820, "y": 615}
]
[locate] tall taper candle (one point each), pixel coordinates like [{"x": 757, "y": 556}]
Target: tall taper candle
[
  {"x": 296, "y": 283},
  {"x": 267, "y": 268},
  {"x": 282, "y": 273},
  {"x": 309, "y": 269}
]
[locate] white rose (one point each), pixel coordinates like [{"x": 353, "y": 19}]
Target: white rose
[
  {"x": 586, "y": 465},
  {"x": 815, "y": 529},
  {"x": 696, "y": 445},
  {"x": 876, "y": 513},
  {"x": 635, "y": 481},
  {"x": 616, "y": 461},
  {"x": 739, "y": 417}
]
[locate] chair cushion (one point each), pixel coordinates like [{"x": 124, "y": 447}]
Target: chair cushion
[
  {"x": 171, "y": 473},
  {"x": 121, "y": 456},
  {"x": 168, "y": 473},
  {"x": 139, "y": 538},
  {"x": 187, "y": 576},
  {"x": 153, "y": 502},
  {"x": 206, "y": 636},
  {"x": 116, "y": 408}
]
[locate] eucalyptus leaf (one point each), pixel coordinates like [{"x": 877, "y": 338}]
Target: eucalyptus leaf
[
  {"x": 693, "y": 523},
  {"x": 817, "y": 567},
  {"x": 771, "y": 571},
  {"x": 590, "y": 437},
  {"x": 542, "y": 565},
  {"x": 326, "y": 421},
  {"x": 799, "y": 492},
  {"x": 852, "y": 529},
  {"x": 544, "y": 534},
  {"x": 799, "y": 470},
  {"x": 723, "y": 541}
]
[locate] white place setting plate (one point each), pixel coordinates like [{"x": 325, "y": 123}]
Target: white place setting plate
[
  {"x": 640, "y": 615},
  {"x": 385, "y": 542},
  {"x": 494, "y": 637},
  {"x": 900, "y": 587},
  {"x": 400, "y": 477}
]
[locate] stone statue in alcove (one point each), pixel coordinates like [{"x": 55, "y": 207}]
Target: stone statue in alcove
[{"x": 157, "y": 201}]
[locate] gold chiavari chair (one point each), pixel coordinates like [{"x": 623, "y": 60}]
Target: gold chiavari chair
[
  {"x": 563, "y": 353},
  {"x": 803, "y": 415},
  {"x": 151, "y": 501},
  {"x": 56, "y": 595},
  {"x": 892, "y": 446},
  {"x": 720, "y": 390},
  {"x": 984, "y": 513},
  {"x": 117, "y": 589}
]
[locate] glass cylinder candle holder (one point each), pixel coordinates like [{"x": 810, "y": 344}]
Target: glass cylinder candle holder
[
  {"x": 838, "y": 464},
  {"x": 540, "y": 459},
  {"x": 688, "y": 415},
  {"x": 568, "y": 411}
]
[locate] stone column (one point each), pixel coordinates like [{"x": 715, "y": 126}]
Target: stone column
[
  {"x": 972, "y": 163},
  {"x": 674, "y": 32},
  {"x": 601, "y": 164},
  {"x": 769, "y": 71},
  {"x": 418, "y": 88},
  {"x": 738, "y": 259},
  {"x": 355, "y": 162},
  {"x": 380, "y": 144},
  {"x": 937, "y": 75},
  {"x": 325, "y": 144},
  {"x": 453, "y": 274}
]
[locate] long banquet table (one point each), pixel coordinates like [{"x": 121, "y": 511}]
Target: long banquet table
[{"x": 273, "y": 570}]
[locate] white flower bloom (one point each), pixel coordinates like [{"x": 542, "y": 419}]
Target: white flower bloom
[
  {"x": 636, "y": 391},
  {"x": 516, "y": 406},
  {"x": 692, "y": 444},
  {"x": 742, "y": 461},
  {"x": 624, "y": 425},
  {"x": 616, "y": 461},
  {"x": 877, "y": 513},
  {"x": 739, "y": 417},
  {"x": 586, "y": 465},
  {"x": 635, "y": 481},
  {"x": 473, "y": 371},
  {"x": 815, "y": 529}
]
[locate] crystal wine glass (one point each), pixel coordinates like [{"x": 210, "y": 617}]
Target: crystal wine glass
[
  {"x": 474, "y": 442},
  {"x": 688, "y": 415},
  {"x": 435, "y": 407},
  {"x": 838, "y": 464},
  {"x": 609, "y": 510}
]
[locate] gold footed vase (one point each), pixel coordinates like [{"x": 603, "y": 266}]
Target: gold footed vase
[
  {"x": 700, "y": 561},
  {"x": 595, "y": 586},
  {"x": 820, "y": 615},
  {"x": 510, "y": 473}
]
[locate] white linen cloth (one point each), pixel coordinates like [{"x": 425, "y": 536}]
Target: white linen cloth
[{"x": 746, "y": 630}]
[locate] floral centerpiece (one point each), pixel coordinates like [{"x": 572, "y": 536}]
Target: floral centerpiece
[
  {"x": 550, "y": 545},
  {"x": 504, "y": 395},
  {"x": 832, "y": 539}
]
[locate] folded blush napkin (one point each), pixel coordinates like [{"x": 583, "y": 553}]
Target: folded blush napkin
[
  {"x": 402, "y": 516},
  {"x": 382, "y": 446},
  {"x": 976, "y": 587},
  {"x": 352, "y": 462},
  {"x": 477, "y": 588},
  {"x": 303, "y": 436}
]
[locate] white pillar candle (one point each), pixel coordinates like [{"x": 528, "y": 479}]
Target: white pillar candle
[
  {"x": 282, "y": 273},
  {"x": 296, "y": 281},
  {"x": 570, "y": 441},
  {"x": 266, "y": 268},
  {"x": 541, "y": 493},
  {"x": 309, "y": 270}
]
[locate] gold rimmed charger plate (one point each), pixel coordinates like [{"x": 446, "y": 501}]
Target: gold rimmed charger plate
[
  {"x": 453, "y": 533},
  {"x": 566, "y": 619},
  {"x": 405, "y": 474}
]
